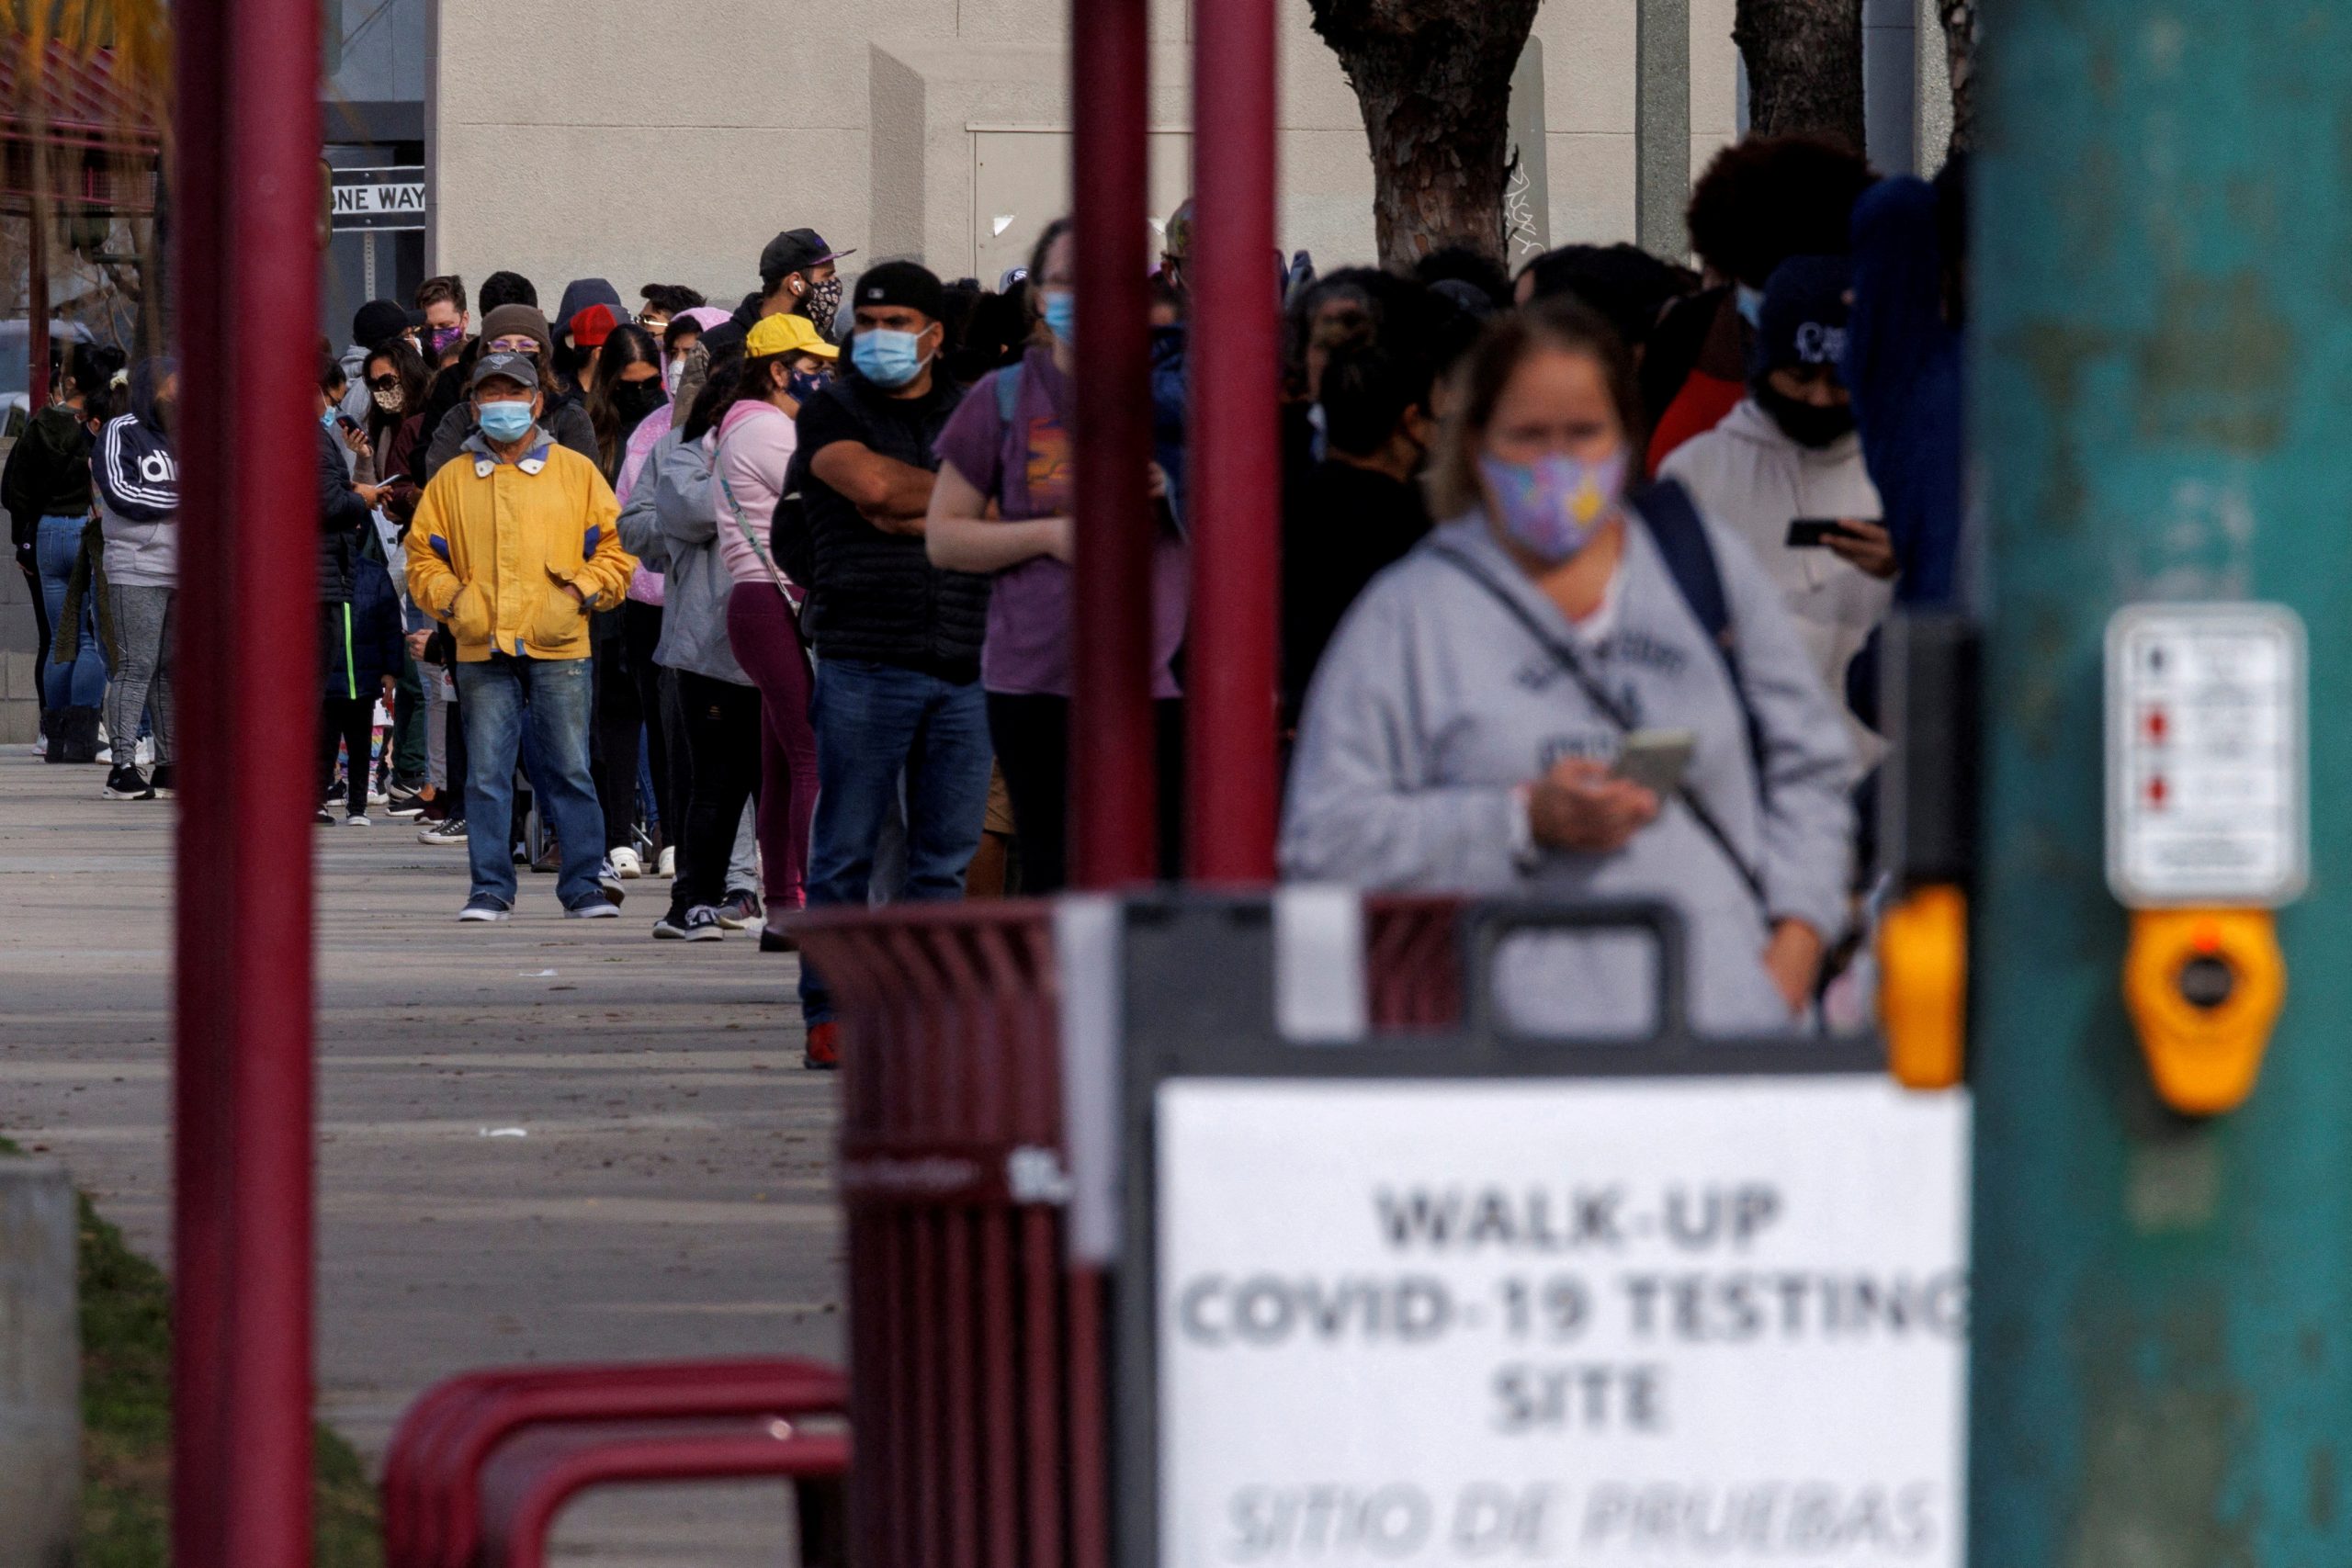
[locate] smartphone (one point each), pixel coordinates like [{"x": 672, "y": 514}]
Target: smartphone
[
  {"x": 1813, "y": 532},
  {"x": 1655, "y": 759}
]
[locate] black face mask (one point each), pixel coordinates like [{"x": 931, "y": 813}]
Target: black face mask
[
  {"x": 635, "y": 400},
  {"x": 1808, "y": 425}
]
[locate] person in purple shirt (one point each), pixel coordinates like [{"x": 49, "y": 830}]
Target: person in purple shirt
[{"x": 1009, "y": 444}]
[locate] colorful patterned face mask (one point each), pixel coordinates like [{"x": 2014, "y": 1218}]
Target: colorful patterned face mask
[{"x": 1552, "y": 507}]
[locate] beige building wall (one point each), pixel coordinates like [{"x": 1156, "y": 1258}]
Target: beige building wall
[{"x": 928, "y": 128}]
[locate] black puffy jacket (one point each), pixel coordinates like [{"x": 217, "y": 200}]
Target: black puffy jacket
[
  {"x": 875, "y": 596},
  {"x": 342, "y": 515}
]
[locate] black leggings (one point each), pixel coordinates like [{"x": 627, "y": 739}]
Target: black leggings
[
  {"x": 617, "y": 723},
  {"x": 722, "y": 723},
  {"x": 349, "y": 722},
  {"x": 640, "y": 634},
  {"x": 1031, "y": 735}
]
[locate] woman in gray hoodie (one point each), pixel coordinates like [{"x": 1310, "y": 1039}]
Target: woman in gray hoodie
[
  {"x": 137, "y": 477},
  {"x": 1465, "y": 732}
]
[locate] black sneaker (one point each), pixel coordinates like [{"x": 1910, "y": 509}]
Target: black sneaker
[
  {"x": 485, "y": 906},
  {"x": 591, "y": 907},
  {"x": 697, "y": 924},
  {"x": 609, "y": 879},
  {"x": 404, "y": 802},
  {"x": 162, "y": 781},
  {"x": 126, "y": 783},
  {"x": 324, "y": 817},
  {"x": 449, "y": 831}
]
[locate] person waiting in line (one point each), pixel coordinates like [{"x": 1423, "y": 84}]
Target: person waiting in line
[
  {"x": 1475, "y": 723},
  {"x": 800, "y": 275},
  {"x": 513, "y": 547},
  {"x": 443, "y": 337},
  {"x": 756, "y": 742},
  {"x": 1787, "y": 460},
  {"x": 626, "y": 389},
  {"x": 1003, "y": 507},
  {"x": 897, "y": 639},
  {"x": 669, "y": 518},
  {"x": 136, "y": 473},
  {"x": 373, "y": 325},
  {"x": 46, "y": 489},
  {"x": 346, "y": 710},
  {"x": 1360, "y": 508}
]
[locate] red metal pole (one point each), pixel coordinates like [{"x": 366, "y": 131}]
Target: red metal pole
[
  {"x": 1233, "y": 496},
  {"x": 1111, "y": 740},
  {"x": 245, "y": 620}
]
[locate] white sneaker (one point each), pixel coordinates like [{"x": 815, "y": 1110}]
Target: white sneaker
[
  {"x": 626, "y": 865},
  {"x": 357, "y": 820},
  {"x": 144, "y": 752},
  {"x": 667, "y": 865}
]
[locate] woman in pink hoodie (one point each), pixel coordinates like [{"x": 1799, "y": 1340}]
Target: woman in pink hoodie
[{"x": 785, "y": 361}]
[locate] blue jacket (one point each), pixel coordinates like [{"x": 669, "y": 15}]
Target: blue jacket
[
  {"x": 363, "y": 632},
  {"x": 1903, "y": 365}
]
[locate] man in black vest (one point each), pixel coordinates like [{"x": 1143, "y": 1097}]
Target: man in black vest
[{"x": 898, "y": 640}]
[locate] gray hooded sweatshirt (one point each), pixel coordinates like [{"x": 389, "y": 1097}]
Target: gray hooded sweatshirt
[
  {"x": 1434, "y": 703},
  {"x": 669, "y": 519}
]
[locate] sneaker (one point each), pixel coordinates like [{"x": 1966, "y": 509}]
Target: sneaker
[
  {"x": 324, "y": 817},
  {"x": 697, "y": 924},
  {"x": 143, "y": 751},
  {"x": 127, "y": 784},
  {"x": 163, "y": 782},
  {"x": 823, "y": 1052},
  {"x": 437, "y": 805},
  {"x": 405, "y": 802},
  {"x": 485, "y": 906},
  {"x": 591, "y": 907},
  {"x": 740, "y": 909},
  {"x": 668, "y": 865},
  {"x": 357, "y": 819},
  {"x": 105, "y": 757},
  {"x": 451, "y": 830},
  {"x": 609, "y": 880},
  {"x": 773, "y": 940},
  {"x": 625, "y": 863}
]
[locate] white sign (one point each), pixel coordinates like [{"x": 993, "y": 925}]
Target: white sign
[
  {"x": 368, "y": 200},
  {"x": 2206, "y": 783},
  {"x": 1574, "y": 1323}
]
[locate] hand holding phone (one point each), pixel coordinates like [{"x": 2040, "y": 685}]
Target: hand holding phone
[{"x": 1813, "y": 533}]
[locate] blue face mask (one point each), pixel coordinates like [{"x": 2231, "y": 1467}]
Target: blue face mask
[
  {"x": 326, "y": 420},
  {"x": 804, "y": 385},
  {"x": 1062, "y": 314},
  {"x": 505, "y": 422},
  {"x": 888, "y": 359},
  {"x": 1752, "y": 304}
]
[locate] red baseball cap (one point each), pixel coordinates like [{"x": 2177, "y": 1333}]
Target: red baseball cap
[{"x": 593, "y": 325}]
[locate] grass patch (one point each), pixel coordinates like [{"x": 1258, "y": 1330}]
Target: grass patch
[{"x": 127, "y": 1422}]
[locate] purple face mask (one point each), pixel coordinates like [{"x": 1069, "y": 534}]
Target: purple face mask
[
  {"x": 1552, "y": 507},
  {"x": 444, "y": 339}
]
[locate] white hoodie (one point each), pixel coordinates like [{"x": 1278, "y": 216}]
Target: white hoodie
[{"x": 1748, "y": 476}]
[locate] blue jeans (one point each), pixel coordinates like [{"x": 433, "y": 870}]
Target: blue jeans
[
  {"x": 874, "y": 722},
  {"x": 81, "y": 682},
  {"x": 499, "y": 697}
]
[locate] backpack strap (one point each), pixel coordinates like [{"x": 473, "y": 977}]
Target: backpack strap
[{"x": 1681, "y": 536}]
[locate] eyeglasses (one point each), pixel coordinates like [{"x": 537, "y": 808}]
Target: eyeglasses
[
  {"x": 515, "y": 345},
  {"x": 384, "y": 384}
]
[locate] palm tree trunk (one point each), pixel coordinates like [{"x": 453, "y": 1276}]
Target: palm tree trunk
[{"x": 1804, "y": 68}]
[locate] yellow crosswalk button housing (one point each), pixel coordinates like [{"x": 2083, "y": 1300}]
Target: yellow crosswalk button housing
[
  {"x": 1923, "y": 987},
  {"x": 2204, "y": 988}
]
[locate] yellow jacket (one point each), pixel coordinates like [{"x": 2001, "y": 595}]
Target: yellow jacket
[{"x": 494, "y": 545}]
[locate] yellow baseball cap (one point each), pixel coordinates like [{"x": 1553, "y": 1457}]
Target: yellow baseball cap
[{"x": 786, "y": 334}]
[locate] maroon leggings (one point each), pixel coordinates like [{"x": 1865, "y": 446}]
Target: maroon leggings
[{"x": 766, "y": 639}]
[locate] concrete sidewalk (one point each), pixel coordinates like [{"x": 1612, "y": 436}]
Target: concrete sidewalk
[{"x": 546, "y": 1140}]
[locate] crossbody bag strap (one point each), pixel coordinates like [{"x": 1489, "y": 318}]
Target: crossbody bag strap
[{"x": 1566, "y": 658}]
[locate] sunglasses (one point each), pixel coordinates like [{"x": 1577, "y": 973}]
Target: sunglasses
[{"x": 384, "y": 384}]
